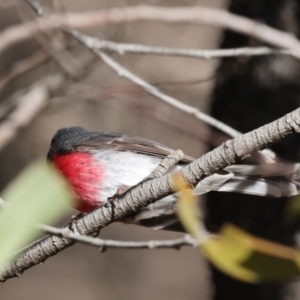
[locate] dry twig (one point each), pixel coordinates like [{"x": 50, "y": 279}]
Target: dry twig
[
  {"x": 104, "y": 244},
  {"x": 122, "y": 48}
]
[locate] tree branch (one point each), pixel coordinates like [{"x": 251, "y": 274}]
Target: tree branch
[{"x": 122, "y": 48}]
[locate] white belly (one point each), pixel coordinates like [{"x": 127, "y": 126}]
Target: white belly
[{"x": 123, "y": 168}]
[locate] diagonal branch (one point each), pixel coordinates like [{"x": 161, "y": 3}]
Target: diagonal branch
[{"x": 150, "y": 191}]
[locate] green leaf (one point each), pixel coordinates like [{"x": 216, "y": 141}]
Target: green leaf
[{"x": 37, "y": 195}]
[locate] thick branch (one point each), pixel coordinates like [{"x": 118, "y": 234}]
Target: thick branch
[{"x": 150, "y": 191}]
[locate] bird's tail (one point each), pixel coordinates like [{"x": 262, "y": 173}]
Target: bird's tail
[{"x": 272, "y": 180}]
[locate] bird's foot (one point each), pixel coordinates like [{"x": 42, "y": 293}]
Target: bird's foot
[{"x": 121, "y": 190}]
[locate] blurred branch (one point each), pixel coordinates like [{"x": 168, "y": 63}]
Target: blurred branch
[
  {"x": 187, "y": 240},
  {"x": 208, "y": 16},
  {"x": 150, "y": 191},
  {"x": 122, "y": 48},
  {"x": 193, "y": 111},
  {"x": 23, "y": 66},
  {"x": 28, "y": 105}
]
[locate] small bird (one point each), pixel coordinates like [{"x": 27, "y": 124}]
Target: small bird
[{"x": 97, "y": 164}]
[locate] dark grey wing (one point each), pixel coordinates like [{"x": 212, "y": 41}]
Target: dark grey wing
[{"x": 123, "y": 142}]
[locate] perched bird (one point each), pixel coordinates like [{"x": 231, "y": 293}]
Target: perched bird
[{"x": 96, "y": 164}]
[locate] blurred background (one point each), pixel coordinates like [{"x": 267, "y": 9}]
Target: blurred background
[{"x": 80, "y": 90}]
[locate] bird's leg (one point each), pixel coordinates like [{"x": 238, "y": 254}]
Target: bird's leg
[{"x": 121, "y": 190}]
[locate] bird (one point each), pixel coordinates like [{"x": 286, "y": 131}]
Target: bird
[{"x": 97, "y": 164}]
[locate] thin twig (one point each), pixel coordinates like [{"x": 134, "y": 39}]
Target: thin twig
[
  {"x": 122, "y": 48},
  {"x": 104, "y": 244},
  {"x": 202, "y": 15}
]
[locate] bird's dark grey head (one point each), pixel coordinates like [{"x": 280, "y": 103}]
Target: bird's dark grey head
[{"x": 64, "y": 138}]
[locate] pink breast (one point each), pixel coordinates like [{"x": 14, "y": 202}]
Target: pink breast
[{"x": 84, "y": 174}]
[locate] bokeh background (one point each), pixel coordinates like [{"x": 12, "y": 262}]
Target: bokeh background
[{"x": 243, "y": 92}]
